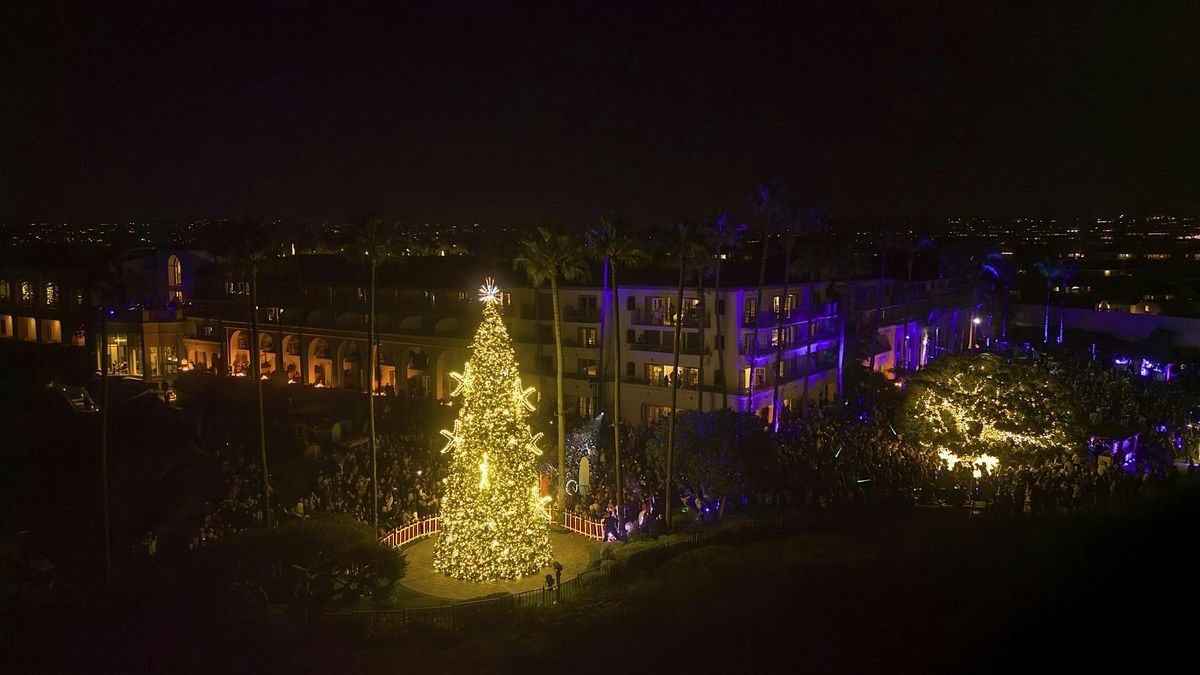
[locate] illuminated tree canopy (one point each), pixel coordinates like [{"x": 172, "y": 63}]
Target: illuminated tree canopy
[
  {"x": 494, "y": 523},
  {"x": 979, "y": 405}
]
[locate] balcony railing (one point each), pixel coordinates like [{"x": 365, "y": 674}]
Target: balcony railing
[
  {"x": 691, "y": 319},
  {"x": 581, "y": 315},
  {"x": 692, "y": 350},
  {"x": 795, "y": 315},
  {"x": 546, "y": 313},
  {"x": 766, "y": 347},
  {"x": 822, "y": 365}
]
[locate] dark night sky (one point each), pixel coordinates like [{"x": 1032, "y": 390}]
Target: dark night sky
[{"x": 475, "y": 113}]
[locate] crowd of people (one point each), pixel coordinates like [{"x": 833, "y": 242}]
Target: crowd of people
[
  {"x": 241, "y": 505},
  {"x": 407, "y": 482}
]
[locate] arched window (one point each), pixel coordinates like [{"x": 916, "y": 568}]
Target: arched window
[
  {"x": 26, "y": 293},
  {"x": 4, "y": 290},
  {"x": 51, "y": 295},
  {"x": 174, "y": 271}
]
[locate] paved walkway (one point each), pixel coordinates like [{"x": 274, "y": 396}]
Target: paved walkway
[{"x": 572, "y": 550}]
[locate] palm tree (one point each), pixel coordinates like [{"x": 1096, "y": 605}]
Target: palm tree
[
  {"x": 545, "y": 256},
  {"x": 722, "y": 235},
  {"x": 886, "y": 241},
  {"x": 108, "y": 286},
  {"x": 374, "y": 244},
  {"x": 252, "y": 248},
  {"x": 1049, "y": 269},
  {"x": 839, "y": 264},
  {"x": 617, "y": 249},
  {"x": 933, "y": 320},
  {"x": 767, "y": 200},
  {"x": 911, "y": 248},
  {"x": 683, "y": 244},
  {"x": 781, "y": 314},
  {"x": 995, "y": 264},
  {"x": 808, "y": 227},
  {"x": 1066, "y": 272}
]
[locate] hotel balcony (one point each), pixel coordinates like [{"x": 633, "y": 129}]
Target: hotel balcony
[{"x": 691, "y": 319}]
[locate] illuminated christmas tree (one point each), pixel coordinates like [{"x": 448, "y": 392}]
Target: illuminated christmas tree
[{"x": 494, "y": 521}]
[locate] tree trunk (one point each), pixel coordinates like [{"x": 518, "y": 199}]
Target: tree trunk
[
  {"x": 904, "y": 318},
  {"x": 1004, "y": 325},
  {"x": 1062, "y": 308},
  {"x": 558, "y": 382},
  {"x": 1046, "y": 320},
  {"x": 701, "y": 317},
  {"x": 758, "y": 298},
  {"x": 780, "y": 318},
  {"x": 878, "y": 302},
  {"x": 617, "y": 399},
  {"x": 841, "y": 367},
  {"x": 104, "y": 367},
  {"x": 674, "y": 392},
  {"x": 374, "y": 365},
  {"x": 808, "y": 333},
  {"x": 300, "y": 325},
  {"x": 720, "y": 335},
  {"x": 256, "y": 367}
]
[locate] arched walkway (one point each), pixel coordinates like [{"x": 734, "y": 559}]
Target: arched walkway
[
  {"x": 291, "y": 359},
  {"x": 320, "y": 363},
  {"x": 416, "y": 373},
  {"x": 266, "y": 353},
  {"x": 239, "y": 353},
  {"x": 351, "y": 366}
]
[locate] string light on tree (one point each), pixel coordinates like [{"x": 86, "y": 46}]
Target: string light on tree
[{"x": 494, "y": 522}]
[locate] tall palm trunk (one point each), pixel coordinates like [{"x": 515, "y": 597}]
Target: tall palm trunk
[
  {"x": 558, "y": 383},
  {"x": 374, "y": 365},
  {"x": 808, "y": 355},
  {"x": 104, "y": 367},
  {"x": 617, "y": 398},
  {"x": 878, "y": 301},
  {"x": 1046, "y": 320},
  {"x": 1004, "y": 319},
  {"x": 720, "y": 336},
  {"x": 701, "y": 317},
  {"x": 904, "y": 350},
  {"x": 780, "y": 317},
  {"x": 278, "y": 325},
  {"x": 256, "y": 367},
  {"x": 841, "y": 366},
  {"x": 674, "y": 390},
  {"x": 758, "y": 298},
  {"x": 1062, "y": 305},
  {"x": 300, "y": 325}
]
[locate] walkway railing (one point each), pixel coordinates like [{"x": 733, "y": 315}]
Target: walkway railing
[
  {"x": 402, "y": 535},
  {"x": 427, "y": 526}
]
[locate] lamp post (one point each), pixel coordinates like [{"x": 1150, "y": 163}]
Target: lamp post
[{"x": 971, "y": 335}]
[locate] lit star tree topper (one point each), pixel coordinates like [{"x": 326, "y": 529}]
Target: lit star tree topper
[{"x": 494, "y": 523}]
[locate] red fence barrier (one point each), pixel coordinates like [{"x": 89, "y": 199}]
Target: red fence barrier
[
  {"x": 423, "y": 528},
  {"x": 580, "y": 525},
  {"x": 402, "y": 535}
]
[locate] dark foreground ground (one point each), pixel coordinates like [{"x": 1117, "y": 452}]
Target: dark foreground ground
[{"x": 927, "y": 591}]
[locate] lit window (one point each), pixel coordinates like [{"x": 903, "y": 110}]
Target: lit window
[
  {"x": 51, "y": 295},
  {"x": 174, "y": 271},
  {"x": 4, "y": 290},
  {"x": 26, "y": 292}
]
